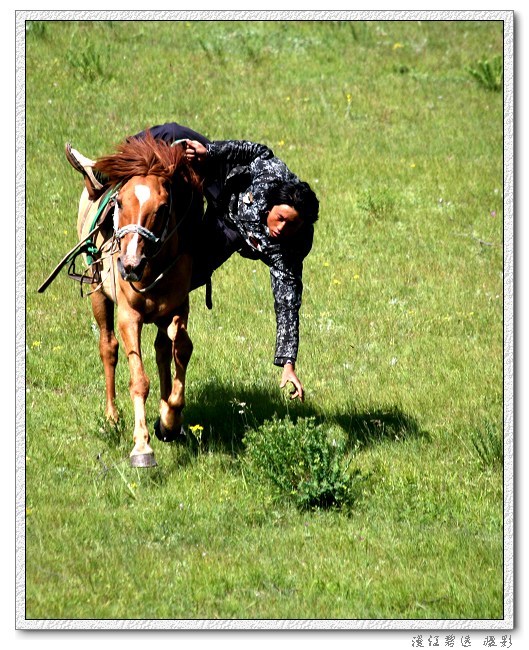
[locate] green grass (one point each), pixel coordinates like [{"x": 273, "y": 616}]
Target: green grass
[{"x": 401, "y": 330}]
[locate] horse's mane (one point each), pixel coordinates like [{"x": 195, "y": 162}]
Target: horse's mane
[{"x": 143, "y": 157}]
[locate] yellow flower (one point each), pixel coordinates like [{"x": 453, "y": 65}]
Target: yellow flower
[
  {"x": 412, "y": 165},
  {"x": 335, "y": 281},
  {"x": 196, "y": 428},
  {"x": 349, "y": 98},
  {"x": 397, "y": 46},
  {"x": 355, "y": 276},
  {"x": 326, "y": 264},
  {"x": 281, "y": 143},
  {"x": 36, "y": 344}
]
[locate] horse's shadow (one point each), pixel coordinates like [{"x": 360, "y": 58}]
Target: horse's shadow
[{"x": 225, "y": 413}]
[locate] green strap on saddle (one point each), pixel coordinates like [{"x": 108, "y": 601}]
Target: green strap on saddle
[
  {"x": 86, "y": 245},
  {"x": 91, "y": 248}
]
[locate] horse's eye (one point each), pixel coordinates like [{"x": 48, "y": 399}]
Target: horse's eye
[
  {"x": 162, "y": 211},
  {"x": 119, "y": 204}
]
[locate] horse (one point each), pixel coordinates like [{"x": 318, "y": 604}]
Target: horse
[{"x": 141, "y": 263}]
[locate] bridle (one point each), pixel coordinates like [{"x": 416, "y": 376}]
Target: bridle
[
  {"x": 140, "y": 230},
  {"x": 147, "y": 234},
  {"x": 158, "y": 242}
]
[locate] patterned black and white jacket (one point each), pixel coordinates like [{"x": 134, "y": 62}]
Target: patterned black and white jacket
[{"x": 248, "y": 169}]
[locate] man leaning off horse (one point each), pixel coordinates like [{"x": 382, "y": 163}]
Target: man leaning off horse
[{"x": 255, "y": 206}]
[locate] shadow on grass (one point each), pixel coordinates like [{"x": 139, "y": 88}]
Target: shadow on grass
[{"x": 226, "y": 412}]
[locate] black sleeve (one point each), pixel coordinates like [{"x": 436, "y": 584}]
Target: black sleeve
[
  {"x": 237, "y": 152},
  {"x": 287, "y": 288},
  {"x": 286, "y": 271}
]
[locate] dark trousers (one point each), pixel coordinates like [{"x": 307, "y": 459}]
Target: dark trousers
[
  {"x": 172, "y": 131},
  {"x": 214, "y": 243}
]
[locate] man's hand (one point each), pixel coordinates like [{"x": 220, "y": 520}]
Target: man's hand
[
  {"x": 290, "y": 376},
  {"x": 195, "y": 150}
]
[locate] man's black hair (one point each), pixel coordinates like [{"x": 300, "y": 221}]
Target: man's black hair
[{"x": 298, "y": 195}]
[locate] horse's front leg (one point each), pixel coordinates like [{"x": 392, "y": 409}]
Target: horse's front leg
[
  {"x": 130, "y": 327},
  {"x": 172, "y": 343}
]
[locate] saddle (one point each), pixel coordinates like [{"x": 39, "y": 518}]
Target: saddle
[
  {"x": 93, "y": 232},
  {"x": 85, "y": 166}
]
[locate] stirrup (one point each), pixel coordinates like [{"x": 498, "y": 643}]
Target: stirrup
[{"x": 82, "y": 164}]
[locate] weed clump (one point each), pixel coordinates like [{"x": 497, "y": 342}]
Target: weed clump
[
  {"x": 488, "y": 74},
  {"x": 379, "y": 205},
  {"x": 86, "y": 62},
  {"x": 488, "y": 446},
  {"x": 304, "y": 461}
]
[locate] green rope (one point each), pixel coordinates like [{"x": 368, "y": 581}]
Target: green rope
[{"x": 91, "y": 248}]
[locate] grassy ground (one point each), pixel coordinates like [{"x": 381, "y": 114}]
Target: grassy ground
[{"x": 401, "y": 331}]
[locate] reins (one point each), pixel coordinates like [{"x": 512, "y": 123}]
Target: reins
[
  {"x": 111, "y": 246},
  {"x": 86, "y": 245}
]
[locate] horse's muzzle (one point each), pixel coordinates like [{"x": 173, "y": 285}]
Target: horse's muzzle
[{"x": 131, "y": 271}]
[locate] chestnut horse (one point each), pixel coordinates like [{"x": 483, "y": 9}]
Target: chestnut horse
[{"x": 147, "y": 274}]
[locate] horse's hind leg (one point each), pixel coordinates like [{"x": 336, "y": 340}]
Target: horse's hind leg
[
  {"x": 172, "y": 343},
  {"x": 103, "y": 309}
]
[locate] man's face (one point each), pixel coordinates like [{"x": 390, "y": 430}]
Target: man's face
[{"x": 283, "y": 220}]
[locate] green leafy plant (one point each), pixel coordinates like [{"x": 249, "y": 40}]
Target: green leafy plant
[
  {"x": 86, "y": 62},
  {"x": 36, "y": 28},
  {"x": 489, "y": 73},
  {"x": 488, "y": 445},
  {"x": 305, "y": 461},
  {"x": 378, "y": 205}
]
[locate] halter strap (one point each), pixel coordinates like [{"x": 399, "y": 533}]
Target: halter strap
[{"x": 140, "y": 230}]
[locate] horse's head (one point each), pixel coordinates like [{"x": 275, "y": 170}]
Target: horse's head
[
  {"x": 155, "y": 179},
  {"x": 141, "y": 218}
]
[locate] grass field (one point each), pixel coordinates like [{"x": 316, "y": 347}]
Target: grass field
[{"x": 398, "y": 127}]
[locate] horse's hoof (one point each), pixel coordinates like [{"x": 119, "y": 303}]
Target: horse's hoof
[
  {"x": 143, "y": 460},
  {"x": 165, "y": 435}
]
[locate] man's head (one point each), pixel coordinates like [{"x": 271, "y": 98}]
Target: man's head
[{"x": 290, "y": 205}]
